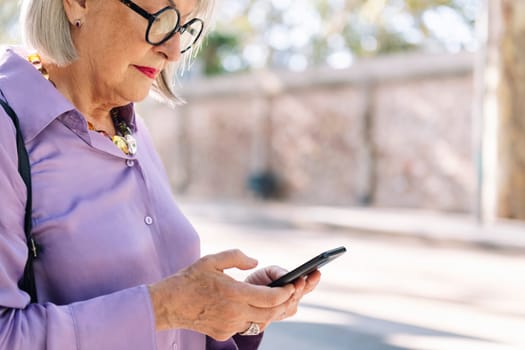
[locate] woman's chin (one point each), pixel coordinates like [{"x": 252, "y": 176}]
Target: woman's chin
[{"x": 138, "y": 94}]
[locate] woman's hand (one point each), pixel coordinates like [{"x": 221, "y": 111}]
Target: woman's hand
[
  {"x": 203, "y": 298},
  {"x": 302, "y": 286}
]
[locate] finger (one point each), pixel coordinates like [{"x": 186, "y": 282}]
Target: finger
[
  {"x": 263, "y": 317},
  {"x": 266, "y": 275},
  {"x": 312, "y": 281},
  {"x": 290, "y": 309},
  {"x": 275, "y": 272},
  {"x": 291, "y": 306},
  {"x": 264, "y": 297},
  {"x": 230, "y": 259},
  {"x": 259, "y": 277},
  {"x": 299, "y": 284}
]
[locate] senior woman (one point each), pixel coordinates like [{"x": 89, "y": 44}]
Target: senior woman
[{"x": 117, "y": 265}]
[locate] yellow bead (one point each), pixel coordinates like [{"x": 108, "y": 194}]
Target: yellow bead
[
  {"x": 34, "y": 58},
  {"x": 121, "y": 143}
]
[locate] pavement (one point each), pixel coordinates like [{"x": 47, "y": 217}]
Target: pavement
[
  {"x": 411, "y": 280},
  {"x": 429, "y": 226}
]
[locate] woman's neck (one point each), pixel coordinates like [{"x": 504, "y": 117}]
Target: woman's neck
[{"x": 75, "y": 85}]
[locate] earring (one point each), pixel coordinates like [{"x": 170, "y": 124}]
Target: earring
[{"x": 78, "y": 23}]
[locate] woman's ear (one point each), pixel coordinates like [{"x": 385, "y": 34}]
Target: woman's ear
[{"x": 75, "y": 10}]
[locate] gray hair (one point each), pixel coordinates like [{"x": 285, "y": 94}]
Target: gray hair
[{"x": 45, "y": 28}]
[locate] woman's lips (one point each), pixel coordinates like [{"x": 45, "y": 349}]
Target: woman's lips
[{"x": 147, "y": 71}]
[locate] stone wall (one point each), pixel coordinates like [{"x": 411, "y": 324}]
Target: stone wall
[{"x": 395, "y": 131}]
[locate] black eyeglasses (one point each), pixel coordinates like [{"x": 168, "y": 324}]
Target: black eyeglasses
[{"x": 164, "y": 24}]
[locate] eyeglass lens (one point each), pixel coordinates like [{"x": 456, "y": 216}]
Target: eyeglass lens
[
  {"x": 190, "y": 34},
  {"x": 165, "y": 24}
]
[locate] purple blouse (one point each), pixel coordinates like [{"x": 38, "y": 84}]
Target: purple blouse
[{"x": 106, "y": 222}]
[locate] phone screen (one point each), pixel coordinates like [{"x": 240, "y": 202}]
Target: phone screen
[{"x": 309, "y": 267}]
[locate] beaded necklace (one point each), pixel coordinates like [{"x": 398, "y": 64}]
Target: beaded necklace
[{"x": 123, "y": 138}]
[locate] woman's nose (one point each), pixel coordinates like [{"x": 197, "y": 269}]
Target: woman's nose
[{"x": 171, "y": 48}]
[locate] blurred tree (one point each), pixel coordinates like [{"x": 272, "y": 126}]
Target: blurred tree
[
  {"x": 501, "y": 81},
  {"x": 296, "y": 34},
  {"x": 511, "y": 102},
  {"x": 219, "y": 45}
]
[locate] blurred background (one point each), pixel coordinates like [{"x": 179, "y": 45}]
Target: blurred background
[
  {"x": 393, "y": 127},
  {"x": 333, "y": 103}
]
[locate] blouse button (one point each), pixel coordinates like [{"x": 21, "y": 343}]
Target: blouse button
[
  {"x": 148, "y": 220},
  {"x": 130, "y": 163}
]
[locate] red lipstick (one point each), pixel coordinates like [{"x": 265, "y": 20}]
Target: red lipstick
[{"x": 147, "y": 71}]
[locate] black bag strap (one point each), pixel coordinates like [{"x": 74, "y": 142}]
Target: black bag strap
[{"x": 27, "y": 283}]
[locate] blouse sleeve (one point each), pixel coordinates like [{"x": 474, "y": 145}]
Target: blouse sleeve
[
  {"x": 238, "y": 342},
  {"x": 122, "y": 320}
]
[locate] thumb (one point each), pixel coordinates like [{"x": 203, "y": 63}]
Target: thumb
[{"x": 231, "y": 259}]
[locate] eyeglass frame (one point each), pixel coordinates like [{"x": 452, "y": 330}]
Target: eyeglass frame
[{"x": 151, "y": 17}]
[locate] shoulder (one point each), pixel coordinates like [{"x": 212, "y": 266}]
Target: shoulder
[
  {"x": 9, "y": 53},
  {"x": 7, "y": 128}
]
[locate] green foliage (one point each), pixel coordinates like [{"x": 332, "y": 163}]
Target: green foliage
[
  {"x": 218, "y": 44},
  {"x": 359, "y": 28},
  {"x": 297, "y": 34}
]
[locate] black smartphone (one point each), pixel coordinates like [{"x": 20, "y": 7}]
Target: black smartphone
[{"x": 308, "y": 267}]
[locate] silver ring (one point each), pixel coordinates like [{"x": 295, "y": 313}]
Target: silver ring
[{"x": 252, "y": 330}]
